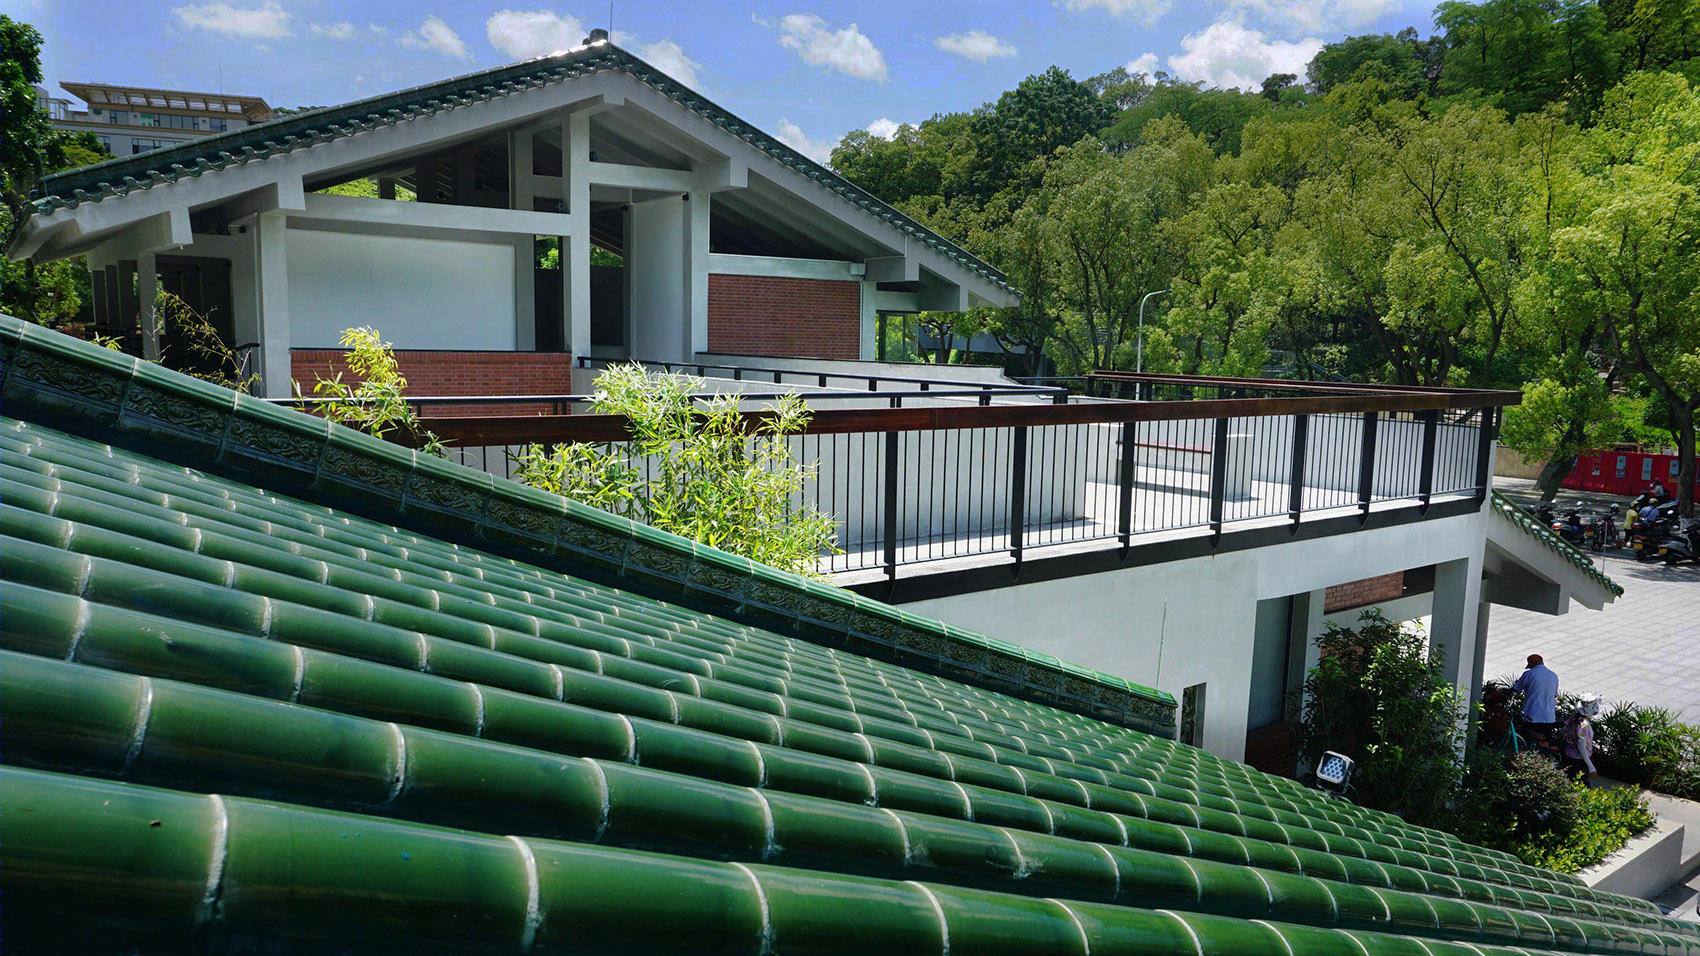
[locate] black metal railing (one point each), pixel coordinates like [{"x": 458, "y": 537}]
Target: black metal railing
[{"x": 910, "y": 484}]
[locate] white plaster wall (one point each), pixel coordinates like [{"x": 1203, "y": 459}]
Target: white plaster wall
[
  {"x": 1180, "y": 623},
  {"x": 419, "y": 293}
]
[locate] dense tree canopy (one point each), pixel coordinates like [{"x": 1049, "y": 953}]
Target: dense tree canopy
[{"x": 1510, "y": 202}]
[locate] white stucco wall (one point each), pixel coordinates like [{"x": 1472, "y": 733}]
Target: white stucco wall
[
  {"x": 420, "y": 293},
  {"x": 1194, "y": 621}
]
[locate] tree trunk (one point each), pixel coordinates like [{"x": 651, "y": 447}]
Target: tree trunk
[
  {"x": 1559, "y": 464},
  {"x": 1682, "y": 421},
  {"x": 1553, "y": 474}
]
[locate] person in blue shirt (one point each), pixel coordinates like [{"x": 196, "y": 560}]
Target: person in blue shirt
[{"x": 1540, "y": 696}]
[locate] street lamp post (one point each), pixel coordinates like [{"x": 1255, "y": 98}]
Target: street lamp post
[{"x": 1139, "y": 356}]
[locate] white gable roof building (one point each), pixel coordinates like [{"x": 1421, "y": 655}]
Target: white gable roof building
[{"x": 728, "y": 240}]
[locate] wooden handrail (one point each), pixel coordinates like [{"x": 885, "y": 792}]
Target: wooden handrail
[{"x": 548, "y": 429}]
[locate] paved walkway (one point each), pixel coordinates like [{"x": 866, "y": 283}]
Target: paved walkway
[{"x": 1644, "y": 647}]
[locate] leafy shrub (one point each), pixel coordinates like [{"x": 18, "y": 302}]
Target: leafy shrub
[
  {"x": 1379, "y": 697},
  {"x": 376, "y": 402},
  {"x": 700, "y": 470},
  {"x": 205, "y": 355},
  {"x": 1540, "y": 795},
  {"x": 1527, "y": 806},
  {"x": 1607, "y": 818},
  {"x": 1648, "y": 746}
]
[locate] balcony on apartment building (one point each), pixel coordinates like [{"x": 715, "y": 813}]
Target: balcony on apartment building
[{"x": 967, "y": 467}]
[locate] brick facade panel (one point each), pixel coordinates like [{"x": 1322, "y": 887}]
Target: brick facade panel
[
  {"x": 1364, "y": 592},
  {"x": 782, "y": 316},
  {"x": 444, "y": 373}
]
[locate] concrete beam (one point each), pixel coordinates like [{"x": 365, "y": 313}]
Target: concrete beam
[
  {"x": 285, "y": 194},
  {"x": 166, "y": 230},
  {"x": 782, "y": 267},
  {"x": 420, "y": 215},
  {"x": 894, "y": 269},
  {"x": 642, "y": 177}
]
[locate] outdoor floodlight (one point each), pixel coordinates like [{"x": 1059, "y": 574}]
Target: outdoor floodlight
[{"x": 1335, "y": 771}]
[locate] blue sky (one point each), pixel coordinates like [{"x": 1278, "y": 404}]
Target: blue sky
[{"x": 807, "y": 70}]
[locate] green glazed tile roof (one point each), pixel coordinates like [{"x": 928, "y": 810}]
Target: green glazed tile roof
[
  {"x": 241, "y": 721},
  {"x": 118, "y": 177},
  {"x": 1520, "y": 517}
]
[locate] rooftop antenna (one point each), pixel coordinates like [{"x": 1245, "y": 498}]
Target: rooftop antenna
[{"x": 610, "y": 19}]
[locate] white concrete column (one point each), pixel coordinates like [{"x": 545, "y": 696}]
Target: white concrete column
[
  {"x": 1480, "y": 662},
  {"x": 658, "y": 264},
  {"x": 272, "y": 281},
  {"x": 520, "y": 196},
  {"x": 1305, "y": 628},
  {"x": 575, "y": 248},
  {"x": 866, "y": 349},
  {"x": 696, "y": 273},
  {"x": 1453, "y": 628},
  {"x": 147, "y": 290}
]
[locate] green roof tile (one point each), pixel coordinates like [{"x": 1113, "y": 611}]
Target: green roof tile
[{"x": 262, "y": 723}]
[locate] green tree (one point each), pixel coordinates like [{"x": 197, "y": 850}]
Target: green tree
[
  {"x": 1217, "y": 115},
  {"x": 1378, "y": 695},
  {"x": 1632, "y": 237},
  {"x": 1044, "y": 112},
  {"x": 29, "y": 149},
  {"x": 1410, "y": 65},
  {"x": 711, "y": 476}
]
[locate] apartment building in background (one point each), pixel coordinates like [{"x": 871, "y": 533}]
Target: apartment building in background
[{"x": 133, "y": 119}]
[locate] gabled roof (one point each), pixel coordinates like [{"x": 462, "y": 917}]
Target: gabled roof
[
  {"x": 118, "y": 177},
  {"x": 1520, "y": 518},
  {"x": 259, "y": 720}
]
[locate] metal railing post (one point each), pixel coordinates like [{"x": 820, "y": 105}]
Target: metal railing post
[
  {"x": 1124, "y": 487},
  {"x": 1017, "y": 491},
  {"x": 1296, "y": 487},
  {"x": 1218, "y": 476},
  {"x": 889, "y": 532},
  {"x": 1485, "y": 435},
  {"x": 1366, "y": 466},
  {"x": 1425, "y": 477}
]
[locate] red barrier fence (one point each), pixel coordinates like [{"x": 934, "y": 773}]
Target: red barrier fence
[{"x": 1623, "y": 472}]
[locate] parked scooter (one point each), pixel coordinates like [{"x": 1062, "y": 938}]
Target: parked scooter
[
  {"x": 1681, "y": 542},
  {"x": 1652, "y": 525},
  {"x": 1568, "y": 525},
  {"x": 1599, "y": 531}
]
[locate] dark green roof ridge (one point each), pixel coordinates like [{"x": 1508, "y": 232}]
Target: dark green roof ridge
[
  {"x": 122, "y": 175},
  {"x": 1520, "y": 518},
  {"x": 82, "y": 387}
]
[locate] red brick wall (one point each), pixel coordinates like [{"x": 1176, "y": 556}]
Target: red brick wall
[
  {"x": 434, "y": 373},
  {"x": 769, "y": 315},
  {"x": 1364, "y": 592}
]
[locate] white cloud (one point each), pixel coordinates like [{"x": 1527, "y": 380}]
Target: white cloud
[
  {"x": 975, "y": 45},
  {"x": 267, "y": 21},
  {"x": 335, "y": 31},
  {"x": 1297, "y": 18},
  {"x": 527, "y": 34},
  {"x": 793, "y": 136},
  {"x": 847, "y": 51},
  {"x": 1147, "y": 12},
  {"x": 884, "y": 128},
  {"x": 436, "y": 35},
  {"x": 1232, "y": 55},
  {"x": 670, "y": 59},
  {"x": 1143, "y": 63}
]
